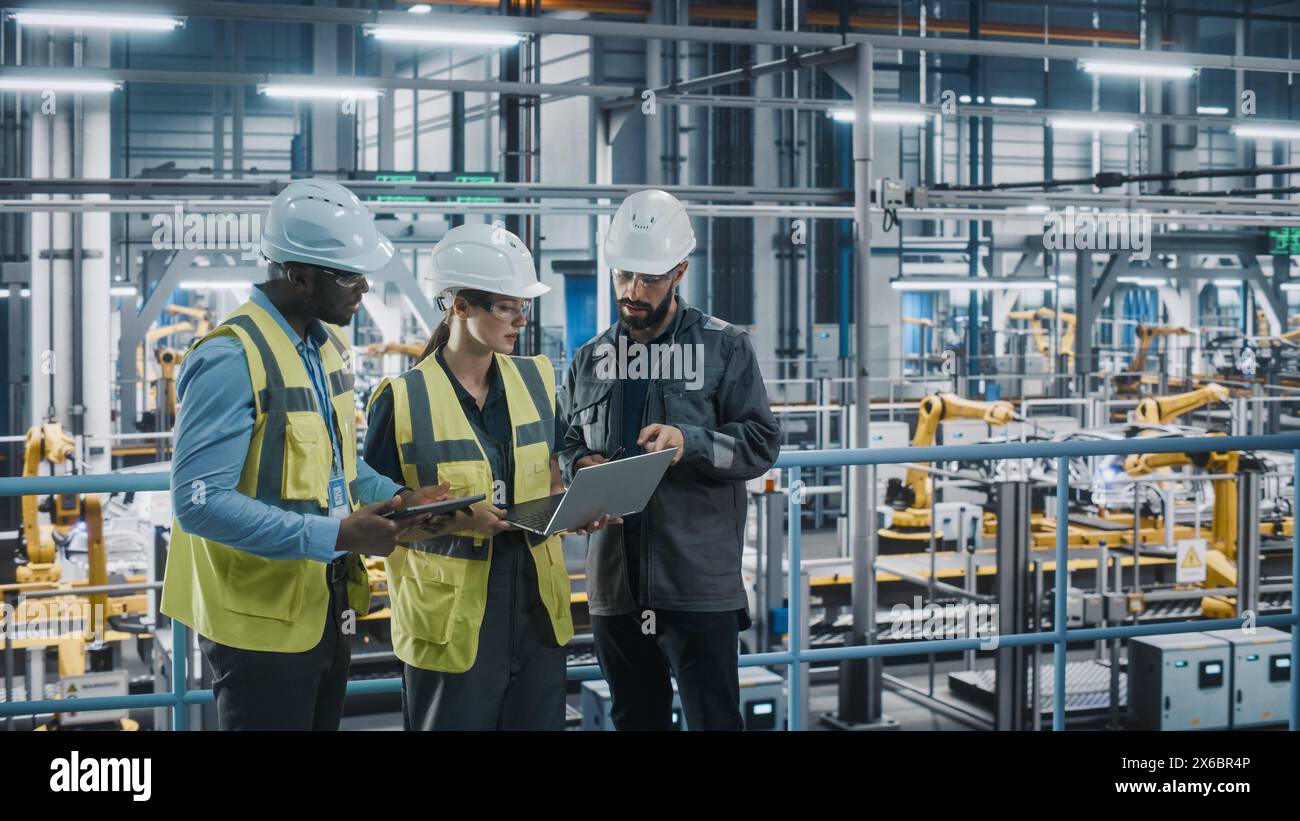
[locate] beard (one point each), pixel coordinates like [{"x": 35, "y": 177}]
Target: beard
[
  {"x": 326, "y": 311},
  {"x": 652, "y": 318}
]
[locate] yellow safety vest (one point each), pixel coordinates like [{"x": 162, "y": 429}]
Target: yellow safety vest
[
  {"x": 438, "y": 588},
  {"x": 234, "y": 597}
]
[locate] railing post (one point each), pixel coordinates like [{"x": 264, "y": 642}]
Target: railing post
[
  {"x": 180, "y": 675},
  {"x": 794, "y": 609},
  {"x": 1062, "y": 590},
  {"x": 1295, "y": 599}
]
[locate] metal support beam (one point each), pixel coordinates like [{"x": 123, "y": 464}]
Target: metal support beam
[
  {"x": 1012, "y": 586},
  {"x": 860, "y": 683}
]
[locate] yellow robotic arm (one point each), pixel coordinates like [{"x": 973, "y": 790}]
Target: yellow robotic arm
[
  {"x": 1162, "y": 410},
  {"x": 411, "y": 349},
  {"x": 48, "y": 443},
  {"x": 1145, "y": 335},
  {"x": 933, "y": 410},
  {"x": 1035, "y": 319},
  {"x": 1035, "y": 327},
  {"x": 1223, "y": 529}
]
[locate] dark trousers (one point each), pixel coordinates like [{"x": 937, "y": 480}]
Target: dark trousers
[
  {"x": 517, "y": 681},
  {"x": 698, "y": 649},
  {"x": 258, "y": 690}
]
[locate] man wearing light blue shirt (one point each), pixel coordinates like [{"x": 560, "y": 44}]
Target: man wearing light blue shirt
[
  {"x": 274, "y": 507},
  {"x": 213, "y": 434}
]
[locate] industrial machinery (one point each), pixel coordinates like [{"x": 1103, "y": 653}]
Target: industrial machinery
[
  {"x": 1131, "y": 378},
  {"x": 1042, "y": 342},
  {"x": 1162, "y": 410},
  {"x": 169, "y": 359},
  {"x": 46, "y": 443},
  {"x": 407, "y": 349},
  {"x": 1179, "y": 682},
  {"x": 910, "y": 498}
]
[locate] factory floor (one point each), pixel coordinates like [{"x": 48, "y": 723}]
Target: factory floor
[{"x": 905, "y": 710}]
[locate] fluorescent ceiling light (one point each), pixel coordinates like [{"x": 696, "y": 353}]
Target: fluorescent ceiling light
[
  {"x": 1069, "y": 124},
  {"x": 219, "y": 285},
  {"x": 971, "y": 284},
  {"x": 122, "y": 290},
  {"x": 1138, "y": 69},
  {"x": 1037, "y": 208},
  {"x": 1150, "y": 282},
  {"x": 40, "y": 85},
  {"x": 1227, "y": 282},
  {"x": 319, "y": 92},
  {"x": 1270, "y": 132},
  {"x": 845, "y": 115},
  {"x": 420, "y": 8},
  {"x": 4, "y": 292},
  {"x": 1013, "y": 101},
  {"x": 454, "y": 37},
  {"x": 96, "y": 20},
  {"x": 1291, "y": 286},
  {"x": 1217, "y": 110}
]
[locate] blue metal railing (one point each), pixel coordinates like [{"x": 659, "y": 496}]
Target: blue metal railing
[{"x": 795, "y": 655}]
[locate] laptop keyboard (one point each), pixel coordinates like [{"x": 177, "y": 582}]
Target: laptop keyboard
[{"x": 536, "y": 519}]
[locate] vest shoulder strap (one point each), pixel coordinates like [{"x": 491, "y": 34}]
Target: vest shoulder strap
[{"x": 539, "y": 377}]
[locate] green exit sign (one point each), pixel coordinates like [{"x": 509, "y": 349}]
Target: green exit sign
[
  {"x": 479, "y": 178},
  {"x": 1284, "y": 240},
  {"x": 397, "y": 197}
]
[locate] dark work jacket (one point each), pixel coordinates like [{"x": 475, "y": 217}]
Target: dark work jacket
[{"x": 693, "y": 527}]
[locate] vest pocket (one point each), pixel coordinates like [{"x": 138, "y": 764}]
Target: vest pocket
[
  {"x": 265, "y": 588},
  {"x": 430, "y": 591},
  {"x": 553, "y": 584},
  {"x": 307, "y": 457}
]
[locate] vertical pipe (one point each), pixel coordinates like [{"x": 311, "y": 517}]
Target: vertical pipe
[
  {"x": 180, "y": 675},
  {"x": 793, "y": 608},
  {"x": 1062, "y": 578},
  {"x": 1295, "y": 602},
  {"x": 858, "y": 692},
  {"x": 95, "y": 374}
]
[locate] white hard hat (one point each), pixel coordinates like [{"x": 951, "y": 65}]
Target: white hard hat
[
  {"x": 650, "y": 234},
  {"x": 319, "y": 222},
  {"x": 486, "y": 258}
]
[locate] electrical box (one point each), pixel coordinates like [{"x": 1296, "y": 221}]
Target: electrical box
[
  {"x": 1261, "y": 677},
  {"x": 762, "y": 702},
  {"x": 1179, "y": 681},
  {"x": 962, "y": 432},
  {"x": 892, "y": 194},
  {"x": 889, "y": 435}
]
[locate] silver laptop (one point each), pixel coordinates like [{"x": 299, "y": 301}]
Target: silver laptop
[{"x": 616, "y": 488}]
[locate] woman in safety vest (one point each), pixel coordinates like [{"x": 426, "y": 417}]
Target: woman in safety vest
[{"x": 480, "y": 608}]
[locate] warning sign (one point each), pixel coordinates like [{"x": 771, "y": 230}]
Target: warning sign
[{"x": 1191, "y": 561}]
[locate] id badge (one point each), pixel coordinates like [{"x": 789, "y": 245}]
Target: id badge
[{"x": 338, "y": 498}]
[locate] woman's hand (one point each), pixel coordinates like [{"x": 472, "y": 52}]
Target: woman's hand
[{"x": 482, "y": 518}]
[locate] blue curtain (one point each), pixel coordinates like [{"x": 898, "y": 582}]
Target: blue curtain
[{"x": 1140, "y": 305}]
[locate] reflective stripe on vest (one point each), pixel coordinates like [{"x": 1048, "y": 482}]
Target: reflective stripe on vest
[
  {"x": 438, "y": 587},
  {"x": 235, "y": 597}
]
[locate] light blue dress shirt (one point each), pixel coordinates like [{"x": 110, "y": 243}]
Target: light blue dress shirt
[{"x": 214, "y": 428}]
